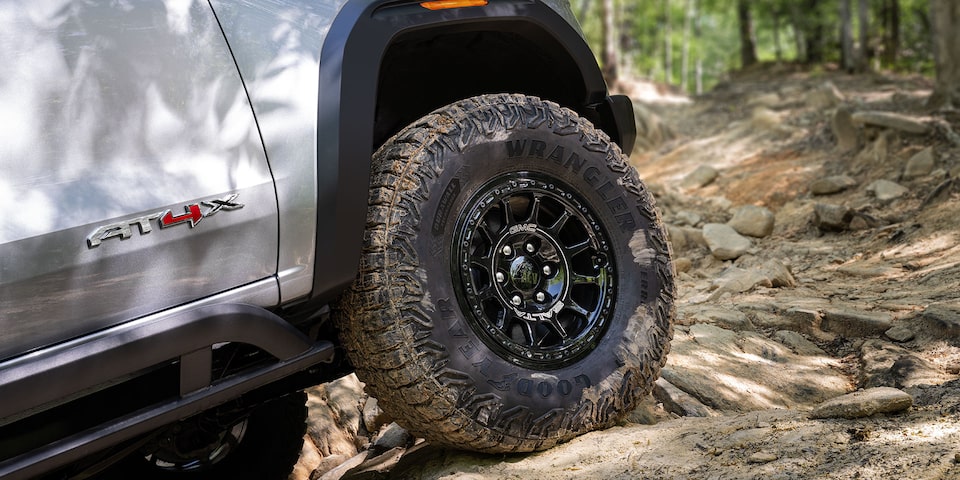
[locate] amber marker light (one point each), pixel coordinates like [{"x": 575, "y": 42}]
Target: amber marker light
[{"x": 445, "y": 4}]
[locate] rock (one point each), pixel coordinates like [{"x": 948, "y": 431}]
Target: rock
[
  {"x": 779, "y": 274},
  {"x": 650, "y": 411},
  {"x": 308, "y": 462},
  {"x": 825, "y": 96},
  {"x": 682, "y": 264},
  {"x": 373, "y": 416},
  {"x": 685, "y": 238},
  {"x": 883, "y": 364},
  {"x": 765, "y": 119},
  {"x": 724, "y": 242},
  {"x": 376, "y": 466},
  {"x": 338, "y": 471},
  {"x": 701, "y": 177},
  {"x": 724, "y": 318},
  {"x": 771, "y": 274},
  {"x": 890, "y": 120},
  {"x": 743, "y": 371},
  {"x": 753, "y": 221},
  {"x": 793, "y": 217},
  {"x": 738, "y": 280},
  {"x": 885, "y": 190},
  {"x": 803, "y": 318},
  {"x": 831, "y": 218},
  {"x": 920, "y": 164},
  {"x": 334, "y": 423},
  {"x": 852, "y": 323},
  {"x": 799, "y": 344},
  {"x": 764, "y": 99},
  {"x": 864, "y": 404},
  {"x": 873, "y": 155},
  {"x": 392, "y": 436},
  {"x": 943, "y": 320},
  {"x": 900, "y": 333},
  {"x": 687, "y": 218},
  {"x": 679, "y": 402},
  {"x": 762, "y": 457},
  {"x": 844, "y": 130},
  {"x": 863, "y": 221},
  {"x": 832, "y": 184},
  {"x": 651, "y": 129}
]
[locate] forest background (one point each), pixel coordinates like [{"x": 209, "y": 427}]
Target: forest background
[{"x": 695, "y": 44}]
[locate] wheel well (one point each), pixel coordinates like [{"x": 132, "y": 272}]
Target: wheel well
[{"x": 426, "y": 69}]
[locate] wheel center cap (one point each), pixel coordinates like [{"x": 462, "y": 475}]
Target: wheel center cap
[{"x": 524, "y": 273}]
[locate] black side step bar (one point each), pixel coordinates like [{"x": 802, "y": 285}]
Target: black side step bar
[{"x": 68, "y": 370}]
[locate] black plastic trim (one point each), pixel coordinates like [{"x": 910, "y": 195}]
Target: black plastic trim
[
  {"x": 350, "y": 64},
  {"x": 77, "y": 446},
  {"x": 618, "y": 110},
  {"x": 62, "y": 372}
]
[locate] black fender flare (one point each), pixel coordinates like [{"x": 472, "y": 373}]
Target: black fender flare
[{"x": 351, "y": 59}]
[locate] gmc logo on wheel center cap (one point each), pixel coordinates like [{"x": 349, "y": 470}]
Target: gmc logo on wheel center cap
[{"x": 192, "y": 215}]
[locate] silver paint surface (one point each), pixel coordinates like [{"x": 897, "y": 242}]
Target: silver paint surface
[
  {"x": 277, "y": 46},
  {"x": 116, "y": 110},
  {"x": 110, "y": 111}
]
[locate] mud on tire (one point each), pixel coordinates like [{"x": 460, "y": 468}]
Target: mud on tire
[{"x": 516, "y": 287}]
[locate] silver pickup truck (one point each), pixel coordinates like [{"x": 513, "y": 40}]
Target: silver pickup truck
[{"x": 208, "y": 206}]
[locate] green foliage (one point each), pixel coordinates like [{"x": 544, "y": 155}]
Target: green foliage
[{"x": 785, "y": 31}]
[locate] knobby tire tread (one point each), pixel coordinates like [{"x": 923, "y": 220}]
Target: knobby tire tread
[{"x": 383, "y": 324}]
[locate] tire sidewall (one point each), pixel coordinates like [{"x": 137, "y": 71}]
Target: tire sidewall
[{"x": 623, "y": 216}]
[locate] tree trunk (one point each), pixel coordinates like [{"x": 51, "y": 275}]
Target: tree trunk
[
  {"x": 777, "y": 47},
  {"x": 813, "y": 31},
  {"x": 945, "y": 19},
  {"x": 748, "y": 43},
  {"x": 796, "y": 18},
  {"x": 667, "y": 45},
  {"x": 846, "y": 37},
  {"x": 890, "y": 15},
  {"x": 698, "y": 34},
  {"x": 863, "y": 53},
  {"x": 609, "y": 53},
  {"x": 685, "y": 55}
]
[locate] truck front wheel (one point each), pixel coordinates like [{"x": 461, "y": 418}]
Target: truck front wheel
[{"x": 516, "y": 286}]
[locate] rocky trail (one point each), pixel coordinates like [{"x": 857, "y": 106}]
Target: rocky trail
[{"x": 815, "y": 223}]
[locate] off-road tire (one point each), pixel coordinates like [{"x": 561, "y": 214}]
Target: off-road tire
[{"x": 475, "y": 318}]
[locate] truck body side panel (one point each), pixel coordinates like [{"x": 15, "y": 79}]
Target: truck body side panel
[
  {"x": 114, "y": 114},
  {"x": 277, "y": 47}
]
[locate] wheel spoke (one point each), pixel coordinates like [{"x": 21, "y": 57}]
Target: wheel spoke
[
  {"x": 528, "y": 332},
  {"x": 578, "y": 309},
  {"x": 559, "y": 223},
  {"x": 534, "y": 210},
  {"x": 507, "y": 212},
  {"x": 579, "y": 279},
  {"x": 555, "y": 323},
  {"x": 485, "y": 230},
  {"x": 578, "y": 248},
  {"x": 486, "y": 293}
]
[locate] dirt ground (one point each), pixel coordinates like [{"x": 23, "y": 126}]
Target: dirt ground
[{"x": 872, "y": 296}]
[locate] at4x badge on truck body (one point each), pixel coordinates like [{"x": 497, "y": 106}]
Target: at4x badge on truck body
[{"x": 192, "y": 215}]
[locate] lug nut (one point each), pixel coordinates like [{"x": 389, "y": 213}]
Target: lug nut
[
  {"x": 530, "y": 247},
  {"x": 507, "y": 250},
  {"x": 501, "y": 277},
  {"x": 516, "y": 300},
  {"x": 540, "y": 296},
  {"x": 547, "y": 270}
]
